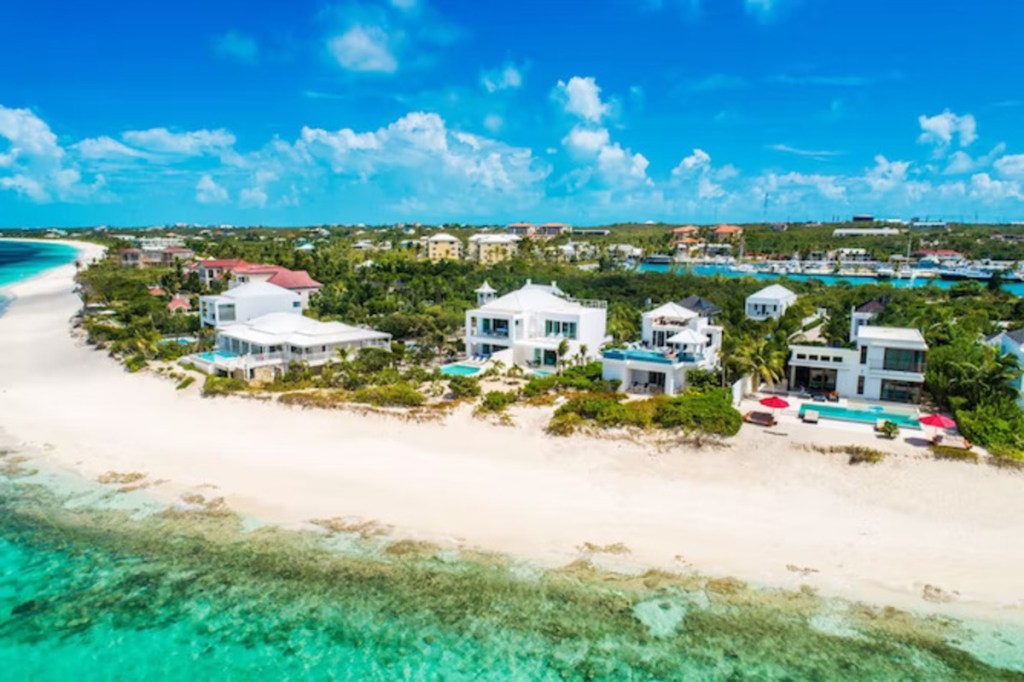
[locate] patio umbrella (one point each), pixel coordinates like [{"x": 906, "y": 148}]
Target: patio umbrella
[
  {"x": 939, "y": 421},
  {"x": 775, "y": 402}
]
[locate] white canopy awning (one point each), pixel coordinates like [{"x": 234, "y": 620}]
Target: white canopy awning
[{"x": 688, "y": 337}]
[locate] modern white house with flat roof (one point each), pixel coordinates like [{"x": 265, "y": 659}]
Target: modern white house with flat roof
[
  {"x": 532, "y": 322},
  {"x": 265, "y": 346},
  {"x": 674, "y": 340},
  {"x": 247, "y": 302},
  {"x": 1012, "y": 343},
  {"x": 770, "y": 303},
  {"x": 887, "y": 364}
]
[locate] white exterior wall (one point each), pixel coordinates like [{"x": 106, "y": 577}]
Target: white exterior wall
[
  {"x": 249, "y": 307},
  {"x": 590, "y": 331},
  {"x": 850, "y": 369},
  {"x": 776, "y": 307}
]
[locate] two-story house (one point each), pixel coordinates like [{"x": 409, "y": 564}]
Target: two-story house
[
  {"x": 488, "y": 249},
  {"x": 674, "y": 339},
  {"x": 888, "y": 363},
  {"x": 247, "y": 302},
  {"x": 532, "y": 322}
]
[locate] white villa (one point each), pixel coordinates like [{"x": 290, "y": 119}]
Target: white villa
[
  {"x": 674, "y": 340},
  {"x": 1012, "y": 343},
  {"x": 247, "y": 302},
  {"x": 264, "y": 346},
  {"x": 526, "y": 326},
  {"x": 771, "y": 302},
  {"x": 887, "y": 364}
]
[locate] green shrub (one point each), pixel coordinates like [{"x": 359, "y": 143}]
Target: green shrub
[
  {"x": 135, "y": 362},
  {"x": 497, "y": 401},
  {"x": 585, "y": 378},
  {"x": 955, "y": 454},
  {"x": 998, "y": 426},
  {"x": 185, "y": 383},
  {"x": 564, "y": 424},
  {"x": 708, "y": 411},
  {"x": 215, "y": 386},
  {"x": 463, "y": 387},
  {"x": 890, "y": 430},
  {"x": 395, "y": 395}
]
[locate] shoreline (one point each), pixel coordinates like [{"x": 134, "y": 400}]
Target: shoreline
[{"x": 754, "y": 510}]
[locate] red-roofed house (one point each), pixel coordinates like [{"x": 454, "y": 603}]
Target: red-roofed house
[
  {"x": 179, "y": 304},
  {"x": 298, "y": 281},
  {"x": 726, "y": 233},
  {"x": 685, "y": 231},
  {"x": 157, "y": 291},
  {"x": 213, "y": 269}
]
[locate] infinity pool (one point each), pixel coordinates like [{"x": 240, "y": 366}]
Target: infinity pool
[
  {"x": 457, "y": 370},
  {"x": 216, "y": 355},
  {"x": 868, "y": 415}
]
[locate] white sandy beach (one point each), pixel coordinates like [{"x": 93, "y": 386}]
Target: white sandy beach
[{"x": 879, "y": 533}]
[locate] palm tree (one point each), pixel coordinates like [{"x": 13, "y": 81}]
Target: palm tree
[
  {"x": 762, "y": 358},
  {"x": 561, "y": 352},
  {"x": 582, "y": 355}
]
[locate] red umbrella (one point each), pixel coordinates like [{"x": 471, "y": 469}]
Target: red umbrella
[
  {"x": 939, "y": 421},
  {"x": 775, "y": 402}
]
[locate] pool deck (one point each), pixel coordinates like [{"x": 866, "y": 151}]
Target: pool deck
[{"x": 791, "y": 415}]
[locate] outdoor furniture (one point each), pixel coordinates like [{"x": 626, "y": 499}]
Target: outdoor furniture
[
  {"x": 760, "y": 418},
  {"x": 956, "y": 442},
  {"x": 880, "y": 424},
  {"x": 811, "y": 416}
]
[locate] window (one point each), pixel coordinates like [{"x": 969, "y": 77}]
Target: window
[
  {"x": 814, "y": 357},
  {"x": 860, "y": 385},
  {"x": 837, "y": 359},
  {"x": 226, "y": 312},
  {"x": 296, "y": 304},
  {"x": 902, "y": 360},
  {"x": 801, "y": 356},
  {"x": 863, "y": 355}
]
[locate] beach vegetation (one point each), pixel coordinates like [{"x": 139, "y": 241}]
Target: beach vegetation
[
  {"x": 185, "y": 383},
  {"x": 392, "y": 395},
  {"x": 496, "y": 402},
  {"x": 954, "y": 454},
  {"x": 707, "y": 412},
  {"x": 219, "y": 386},
  {"x": 460, "y": 387}
]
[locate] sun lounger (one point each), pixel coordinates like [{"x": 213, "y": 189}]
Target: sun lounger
[
  {"x": 811, "y": 416},
  {"x": 956, "y": 442},
  {"x": 760, "y": 418}
]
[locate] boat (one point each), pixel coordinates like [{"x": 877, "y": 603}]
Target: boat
[
  {"x": 960, "y": 274},
  {"x": 885, "y": 273}
]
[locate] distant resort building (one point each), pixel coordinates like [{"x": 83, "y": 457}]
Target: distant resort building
[
  {"x": 521, "y": 229},
  {"x": 552, "y": 230},
  {"x": 165, "y": 256},
  {"x": 727, "y": 233},
  {"x": 772, "y": 302},
  {"x": 527, "y": 326},
  {"x": 443, "y": 246},
  {"x": 488, "y": 249},
  {"x": 865, "y": 232},
  {"x": 675, "y": 338},
  {"x": 263, "y": 347}
]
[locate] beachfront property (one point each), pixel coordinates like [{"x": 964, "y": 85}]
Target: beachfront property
[
  {"x": 887, "y": 363},
  {"x": 1011, "y": 343},
  {"x": 772, "y": 302},
  {"x": 488, "y": 249},
  {"x": 674, "y": 339},
  {"x": 525, "y": 327},
  {"x": 247, "y": 302},
  {"x": 443, "y": 246},
  {"x": 263, "y": 347}
]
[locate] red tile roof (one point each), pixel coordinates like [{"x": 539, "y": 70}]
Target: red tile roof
[
  {"x": 294, "y": 279},
  {"x": 226, "y": 263},
  {"x": 686, "y": 229},
  {"x": 157, "y": 291},
  {"x": 179, "y": 303},
  {"x": 728, "y": 229}
]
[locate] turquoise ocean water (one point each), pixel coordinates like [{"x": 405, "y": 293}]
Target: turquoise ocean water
[
  {"x": 21, "y": 260},
  {"x": 98, "y": 582}
]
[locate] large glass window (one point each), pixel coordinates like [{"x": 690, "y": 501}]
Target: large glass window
[
  {"x": 900, "y": 391},
  {"x": 901, "y": 360},
  {"x": 226, "y": 312}
]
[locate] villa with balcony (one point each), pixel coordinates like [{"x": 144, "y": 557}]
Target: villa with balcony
[
  {"x": 888, "y": 364},
  {"x": 526, "y": 327},
  {"x": 247, "y": 302},
  {"x": 674, "y": 340},
  {"x": 263, "y": 347}
]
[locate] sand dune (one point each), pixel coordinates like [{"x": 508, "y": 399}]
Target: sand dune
[{"x": 755, "y": 510}]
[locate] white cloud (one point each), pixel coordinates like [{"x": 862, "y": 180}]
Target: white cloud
[
  {"x": 494, "y": 123},
  {"x": 190, "y": 143},
  {"x": 365, "y": 49},
  {"x": 817, "y": 154},
  {"x": 791, "y": 188},
  {"x": 35, "y": 165},
  {"x": 509, "y": 77},
  {"x": 1011, "y": 165},
  {"x": 209, "y": 192},
  {"x": 238, "y": 46},
  {"x": 106, "y": 148},
  {"x": 985, "y": 188},
  {"x": 698, "y": 160},
  {"x": 942, "y": 129},
  {"x": 612, "y": 163},
  {"x": 886, "y": 175},
  {"x": 582, "y": 97},
  {"x": 252, "y": 197}
]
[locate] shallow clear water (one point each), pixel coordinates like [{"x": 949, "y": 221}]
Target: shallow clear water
[
  {"x": 94, "y": 594},
  {"x": 20, "y": 260}
]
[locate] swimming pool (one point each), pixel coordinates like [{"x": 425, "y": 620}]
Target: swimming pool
[
  {"x": 543, "y": 372},
  {"x": 216, "y": 355},
  {"x": 458, "y": 370},
  {"x": 867, "y": 415}
]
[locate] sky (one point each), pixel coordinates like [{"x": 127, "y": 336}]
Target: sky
[{"x": 251, "y": 112}]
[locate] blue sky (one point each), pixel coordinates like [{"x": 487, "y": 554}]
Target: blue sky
[{"x": 440, "y": 110}]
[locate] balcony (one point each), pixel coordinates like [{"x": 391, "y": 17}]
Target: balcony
[{"x": 491, "y": 333}]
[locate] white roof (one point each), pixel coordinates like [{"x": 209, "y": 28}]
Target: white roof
[
  {"x": 485, "y": 288},
  {"x": 256, "y": 290},
  {"x": 495, "y": 238},
  {"x": 896, "y": 334},
  {"x": 297, "y": 330},
  {"x": 688, "y": 336},
  {"x": 532, "y": 297},
  {"x": 774, "y": 292},
  {"x": 673, "y": 310},
  {"x": 443, "y": 237}
]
